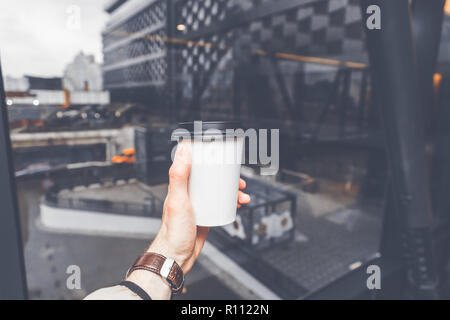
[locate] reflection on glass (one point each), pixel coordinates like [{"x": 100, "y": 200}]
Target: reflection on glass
[{"x": 91, "y": 138}]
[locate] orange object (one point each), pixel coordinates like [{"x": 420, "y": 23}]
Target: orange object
[
  {"x": 437, "y": 78},
  {"x": 126, "y": 156},
  {"x": 129, "y": 151},
  {"x": 66, "y": 99}
]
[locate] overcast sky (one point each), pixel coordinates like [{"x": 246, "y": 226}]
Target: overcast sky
[{"x": 39, "y": 37}]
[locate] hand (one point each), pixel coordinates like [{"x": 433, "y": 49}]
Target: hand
[{"x": 179, "y": 237}]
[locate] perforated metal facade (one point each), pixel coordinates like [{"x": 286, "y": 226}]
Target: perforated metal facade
[
  {"x": 182, "y": 54},
  {"x": 134, "y": 47}
]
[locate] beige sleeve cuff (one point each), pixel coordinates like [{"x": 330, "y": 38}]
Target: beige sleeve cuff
[{"x": 113, "y": 293}]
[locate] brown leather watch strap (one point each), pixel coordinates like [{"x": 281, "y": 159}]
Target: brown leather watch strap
[{"x": 165, "y": 267}]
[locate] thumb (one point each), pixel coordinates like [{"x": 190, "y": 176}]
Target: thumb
[{"x": 179, "y": 172}]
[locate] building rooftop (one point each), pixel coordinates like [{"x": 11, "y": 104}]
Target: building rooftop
[
  {"x": 40, "y": 83},
  {"x": 112, "y": 5}
]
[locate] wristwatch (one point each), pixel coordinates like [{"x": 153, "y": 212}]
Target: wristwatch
[{"x": 167, "y": 268}]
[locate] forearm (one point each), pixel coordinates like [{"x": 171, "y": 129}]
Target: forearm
[{"x": 150, "y": 282}]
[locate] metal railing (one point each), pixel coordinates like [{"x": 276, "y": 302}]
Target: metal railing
[{"x": 95, "y": 175}]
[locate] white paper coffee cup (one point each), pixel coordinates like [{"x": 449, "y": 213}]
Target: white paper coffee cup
[{"x": 215, "y": 171}]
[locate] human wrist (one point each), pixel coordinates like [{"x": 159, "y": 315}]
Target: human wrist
[
  {"x": 158, "y": 271},
  {"x": 153, "y": 284},
  {"x": 162, "y": 247}
]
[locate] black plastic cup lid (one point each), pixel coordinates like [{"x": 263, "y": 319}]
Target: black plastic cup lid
[{"x": 207, "y": 128}]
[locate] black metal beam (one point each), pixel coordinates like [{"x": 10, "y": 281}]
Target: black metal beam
[
  {"x": 441, "y": 160},
  {"x": 362, "y": 102},
  {"x": 282, "y": 86},
  {"x": 12, "y": 268},
  {"x": 344, "y": 100},
  {"x": 299, "y": 93},
  {"x": 331, "y": 100},
  {"x": 427, "y": 29},
  {"x": 394, "y": 71}
]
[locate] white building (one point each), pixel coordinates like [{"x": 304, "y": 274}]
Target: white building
[
  {"x": 83, "y": 74},
  {"x": 16, "y": 84},
  {"x": 81, "y": 85}
]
